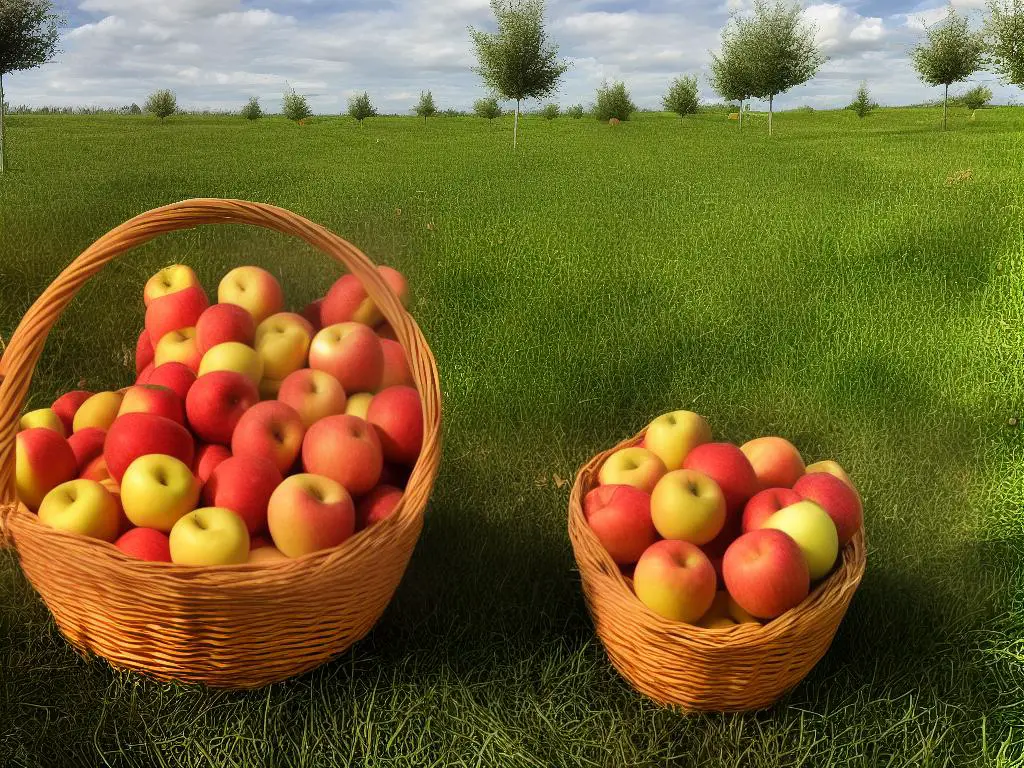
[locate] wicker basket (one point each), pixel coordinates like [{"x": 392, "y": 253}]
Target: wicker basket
[
  {"x": 739, "y": 668},
  {"x": 238, "y": 626}
]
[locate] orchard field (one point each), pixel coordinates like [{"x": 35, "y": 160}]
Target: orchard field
[{"x": 854, "y": 285}]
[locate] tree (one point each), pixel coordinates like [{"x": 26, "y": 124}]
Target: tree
[
  {"x": 426, "y": 107},
  {"x": 576, "y": 111},
  {"x": 162, "y": 103},
  {"x": 134, "y": 109},
  {"x": 949, "y": 54},
  {"x": 295, "y": 106},
  {"x": 487, "y": 108},
  {"x": 976, "y": 98},
  {"x": 252, "y": 109},
  {"x": 613, "y": 101},
  {"x": 549, "y": 111},
  {"x": 732, "y": 74},
  {"x": 862, "y": 103},
  {"x": 28, "y": 39},
  {"x": 783, "y": 52},
  {"x": 360, "y": 108},
  {"x": 682, "y": 96},
  {"x": 518, "y": 61},
  {"x": 1004, "y": 33}
]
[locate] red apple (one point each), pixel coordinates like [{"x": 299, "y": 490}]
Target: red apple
[
  {"x": 396, "y": 367},
  {"x": 174, "y": 311},
  {"x": 675, "y": 580},
  {"x": 272, "y": 430},
  {"x": 765, "y": 572},
  {"x": 144, "y": 352},
  {"x": 313, "y": 394},
  {"x": 216, "y": 402},
  {"x": 397, "y": 415},
  {"x": 221, "y": 323},
  {"x": 140, "y": 434},
  {"x": 352, "y": 353},
  {"x": 87, "y": 444},
  {"x": 67, "y": 405},
  {"x": 177, "y": 377},
  {"x": 208, "y": 458},
  {"x": 145, "y": 544},
  {"x": 96, "y": 470},
  {"x": 158, "y": 400},
  {"x": 386, "y": 331},
  {"x": 143, "y": 377},
  {"x": 244, "y": 485},
  {"x": 766, "y": 503},
  {"x": 776, "y": 461},
  {"x": 347, "y": 301},
  {"x": 346, "y": 449},
  {"x": 43, "y": 460},
  {"x": 729, "y": 467},
  {"x": 376, "y": 505},
  {"x": 396, "y": 282},
  {"x": 620, "y": 516},
  {"x": 312, "y": 314},
  {"x": 837, "y": 498}
]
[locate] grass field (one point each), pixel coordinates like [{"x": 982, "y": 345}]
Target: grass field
[{"x": 853, "y": 285}]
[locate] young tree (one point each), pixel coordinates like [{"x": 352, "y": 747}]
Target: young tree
[
  {"x": 488, "y": 108},
  {"x": 252, "y": 109},
  {"x": 682, "y": 96},
  {"x": 518, "y": 61},
  {"x": 162, "y": 103},
  {"x": 360, "y": 108},
  {"x": 732, "y": 75},
  {"x": 576, "y": 111},
  {"x": 294, "y": 106},
  {"x": 549, "y": 111},
  {"x": 134, "y": 109},
  {"x": 426, "y": 107},
  {"x": 613, "y": 101},
  {"x": 949, "y": 54},
  {"x": 976, "y": 98},
  {"x": 28, "y": 39},
  {"x": 1004, "y": 33},
  {"x": 862, "y": 103}
]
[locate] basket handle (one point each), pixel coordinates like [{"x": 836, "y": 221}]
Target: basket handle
[{"x": 26, "y": 345}]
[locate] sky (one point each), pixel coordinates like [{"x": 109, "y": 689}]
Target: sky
[{"x": 217, "y": 53}]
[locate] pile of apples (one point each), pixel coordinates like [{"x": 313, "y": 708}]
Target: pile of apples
[
  {"x": 715, "y": 534},
  {"x": 250, "y": 434}
]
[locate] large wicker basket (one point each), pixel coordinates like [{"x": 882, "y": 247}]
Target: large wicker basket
[
  {"x": 740, "y": 668},
  {"x": 237, "y": 626}
]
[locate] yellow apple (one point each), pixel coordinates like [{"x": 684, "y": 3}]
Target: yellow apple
[
  {"x": 157, "y": 490},
  {"x": 170, "y": 279},
  {"x": 210, "y": 536},
  {"x": 178, "y": 346},
  {"x": 282, "y": 341},
  {"x": 688, "y": 505},
  {"x": 672, "y": 435},
  {"x": 45, "y": 418},
  {"x": 358, "y": 404},
  {"x": 254, "y": 290},
  {"x": 814, "y": 532},
  {"x": 632, "y": 466},
  {"x": 84, "y": 507},
  {"x": 233, "y": 356},
  {"x": 98, "y": 411}
]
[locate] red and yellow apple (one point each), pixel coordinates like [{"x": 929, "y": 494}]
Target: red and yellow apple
[
  {"x": 729, "y": 467},
  {"x": 138, "y": 434},
  {"x": 177, "y": 377},
  {"x": 766, "y": 573},
  {"x": 282, "y": 342},
  {"x": 776, "y": 461},
  {"x": 221, "y": 323},
  {"x": 244, "y": 485},
  {"x": 42, "y": 461},
  {"x": 352, "y": 353},
  {"x": 673, "y": 435},
  {"x": 830, "y": 467},
  {"x": 87, "y": 444},
  {"x": 839, "y": 500},
  {"x": 764, "y": 504},
  {"x": 397, "y": 415},
  {"x": 156, "y": 490},
  {"x": 634, "y": 466},
  {"x": 67, "y": 405},
  {"x": 172, "y": 279},
  {"x": 620, "y": 516},
  {"x": 174, "y": 311},
  {"x": 98, "y": 411},
  {"x": 814, "y": 532},
  {"x": 147, "y": 398},
  {"x": 43, "y": 418},
  {"x": 345, "y": 449},
  {"x": 376, "y": 505},
  {"x": 271, "y": 430},
  {"x": 308, "y": 513},
  {"x": 675, "y": 580},
  {"x": 178, "y": 346},
  {"x": 396, "y": 366},
  {"x": 313, "y": 394},
  {"x": 688, "y": 505}
]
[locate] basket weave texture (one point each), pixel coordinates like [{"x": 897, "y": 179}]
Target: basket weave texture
[
  {"x": 740, "y": 668},
  {"x": 238, "y": 626}
]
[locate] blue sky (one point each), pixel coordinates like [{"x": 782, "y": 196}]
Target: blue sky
[{"x": 218, "y": 53}]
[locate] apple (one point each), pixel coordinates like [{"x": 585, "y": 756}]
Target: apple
[
  {"x": 208, "y": 458},
  {"x": 216, "y": 403},
  {"x": 270, "y": 429},
  {"x": 209, "y": 536},
  {"x": 397, "y": 416},
  {"x": 172, "y": 279},
  {"x": 312, "y": 314},
  {"x": 394, "y": 474},
  {"x": 177, "y": 377},
  {"x": 233, "y": 356},
  {"x": 145, "y": 544},
  {"x": 814, "y": 532},
  {"x": 396, "y": 282},
  {"x": 308, "y": 513},
  {"x": 838, "y": 499},
  {"x": 620, "y": 516},
  {"x": 396, "y": 366},
  {"x": 764, "y": 504},
  {"x": 221, "y": 323},
  {"x": 87, "y": 444},
  {"x": 673, "y": 435},
  {"x": 254, "y": 290},
  {"x": 737, "y": 613},
  {"x": 179, "y": 346},
  {"x": 313, "y": 395},
  {"x": 675, "y": 580},
  {"x": 144, "y": 352},
  {"x": 766, "y": 573},
  {"x": 138, "y": 434},
  {"x": 358, "y": 404},
  {"x": 156, "y": 490},
  {"x": 266, "y": 554},
  {"x": 174, "y": 311},
  {"x": 98, "y": 411},
  {"x": 831, "y": 468},
  {"x": 43, "y": 418},
  {"x": 776, "y": 461},
  {"x": 386, "y": 331},
  {"x": 346, "y": 449},
  {"x": 688, "y": 505},
  {"x": 729, "y": 467},
  {"x": 67, "y": 405},
  {"x": 718, "y": 616},
  {"x": 123, "y": 523},
  {"x": 244, "y": 485},
  {"x": 282, "y": 342},
  {"x": 97, "y": 469},
  {"x": 376, "y": 505},
  {"x": 81, "y": 506},
  {"x": 632, "y": 466},
  {"x": 42, "y": 461},
  {"x": 352, "y": 353},
  {"x": 347, "y": 301},
  {"x": 147, "y": 398}
]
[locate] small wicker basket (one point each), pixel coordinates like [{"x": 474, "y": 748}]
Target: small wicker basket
[
  {"x": 739, "y": 668},
  {"x": 239, "y": 626}
]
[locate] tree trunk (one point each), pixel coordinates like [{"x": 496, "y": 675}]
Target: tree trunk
[
  {"x": 770, "y": 97},
  {"x": 1, "y": 123},
  {"x": 741, "y": 114},
  {"x": 945, "y": 98},
  {"x": 515, "y": 126}
]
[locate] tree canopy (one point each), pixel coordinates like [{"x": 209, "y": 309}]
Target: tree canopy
[{"x": 1004, "y": 34}]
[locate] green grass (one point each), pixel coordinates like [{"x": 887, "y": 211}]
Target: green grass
[{"x": 836, "y": 284}]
